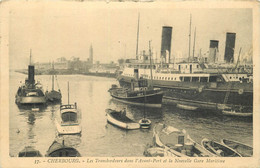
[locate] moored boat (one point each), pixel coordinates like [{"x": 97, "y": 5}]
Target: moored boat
[
  {"x": 30, "y": 93},
  {"x": 187, "y": 107},
  {"x": 219, "y": 149},
  {"x": 158, "y": 152},
  {"x": 178, "y": 142},
  {"x": 243, "y": 149},
  {"x": 29, "y": 151},
  {"x": 119, "y": 119},
  {"x": 67, "y": 122},
  {"x": 53, "y": 95},
  {"x": 239, "y": 113},
  {"x": 61, "y": 150},
  {"x": 152, "y": 97}
]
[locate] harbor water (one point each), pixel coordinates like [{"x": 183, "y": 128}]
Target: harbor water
[{"x": 100, "y": 139}]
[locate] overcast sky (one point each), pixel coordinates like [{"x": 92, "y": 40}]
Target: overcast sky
[{"x": 67, "y": 29}]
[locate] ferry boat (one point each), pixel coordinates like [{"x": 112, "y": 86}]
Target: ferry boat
[
  {"x": 194, "y": 83},
  {"x": 30, "y": 93}
]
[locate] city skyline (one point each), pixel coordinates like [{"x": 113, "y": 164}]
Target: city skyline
[{"x": 68, "y": 31}]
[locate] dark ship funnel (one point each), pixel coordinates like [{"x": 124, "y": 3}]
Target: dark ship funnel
[
  {"x": 230, "y": 47},
  {"x": 31, "y": 74},
  {"x": 166, "y": 42},
  {"x": 213, "y": 49}
]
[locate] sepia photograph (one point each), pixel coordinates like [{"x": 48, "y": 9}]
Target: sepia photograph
[{"x": 148, "y": 83}]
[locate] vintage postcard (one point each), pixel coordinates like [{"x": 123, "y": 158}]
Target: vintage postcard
[{"x": 129, "y": 83}]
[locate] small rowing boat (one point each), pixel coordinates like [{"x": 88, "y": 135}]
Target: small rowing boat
[
  {"x": 232, "y": 112},
  {"x": 29, "y": 151},
  {"x": 219, "y": 149},
  {"x": 119, "y": 118},
  {"x": 61, "y": 150},
  {"x": 243, "y": 149},
  {"x": 178, "y": 142}
]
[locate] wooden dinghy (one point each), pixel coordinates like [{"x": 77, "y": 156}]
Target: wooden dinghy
[
  {"x": 231, "y": 112},
  {"x": 243, "y": 149},
  {"x": 119, "y": 118},
  {"x": 29, "y": 151},
  {"x": 61, "y": 150},
  {"x": 219, "y": 149},
  {"x": 178, "y": 142}
]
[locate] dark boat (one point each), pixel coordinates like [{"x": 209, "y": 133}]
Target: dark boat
[
  {"x": 29, "y": 151},
  {"x": 30, "y": 93},
  {"x": 243, "y": 149},
  {"x": 60, "y": 150},
  {"x": 119, "y": 118},
  {"x": 219, "y": 149},
  {"x": 178, "y": 142},
  {"x": 53, "y": 95}
]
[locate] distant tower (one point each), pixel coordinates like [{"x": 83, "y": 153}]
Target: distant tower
[
  {"x": 213, "y": 49},
  {"x": 91, "y": 54},
  {"x": 230, "y": 47},
  {"x": 166, "y": 42}
]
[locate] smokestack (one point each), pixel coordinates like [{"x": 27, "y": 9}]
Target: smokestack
[
  {"x": 31, "y": 74},
  {"x": 213, "y": 49},
  {"x": 166, "y": 41},
  {"x": 230, "y": 47},
  {"x": 91, "y": 54}
]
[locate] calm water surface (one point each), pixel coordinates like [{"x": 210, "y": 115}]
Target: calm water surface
[{"x": 99, "y": 138}]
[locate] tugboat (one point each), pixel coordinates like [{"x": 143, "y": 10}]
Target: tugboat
[
  {"x": 68, "y": 122},
  {"x": 30, "y": 93},
  {"x": 53, "y": 96},
  {"x": 151, "y": 98}
]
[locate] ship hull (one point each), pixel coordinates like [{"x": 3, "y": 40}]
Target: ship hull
[
  {"x": 203, "y": 96},
  {"x": 151, "y": 100},
  {"x": 30, "y": 100}
]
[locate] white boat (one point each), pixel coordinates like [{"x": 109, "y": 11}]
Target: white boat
[
  {"x": 187, "y": 107},
  {"x": 178, "y": 142},
  {"x": 119, "y": 119},
  {"x": 232, "y": 112},
  {"x": 68, "y": 120}
]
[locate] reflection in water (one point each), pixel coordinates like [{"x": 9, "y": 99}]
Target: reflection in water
[{"x": 31, "y": 118}]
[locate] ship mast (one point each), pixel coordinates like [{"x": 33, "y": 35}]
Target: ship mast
[
  {"x": 137, "y": 36},
  {"x": 68, "y": 93},
  {"x": 194, "y": 44},
  {"x": 151, "y": 71},
  {"x": 189, "y": 38},
  {"x": 52, "y": 75}
]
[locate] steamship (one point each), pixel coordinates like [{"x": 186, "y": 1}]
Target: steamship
[
  {"x": 196, "y": 84},
  {"x": 30, "y": 93}
]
